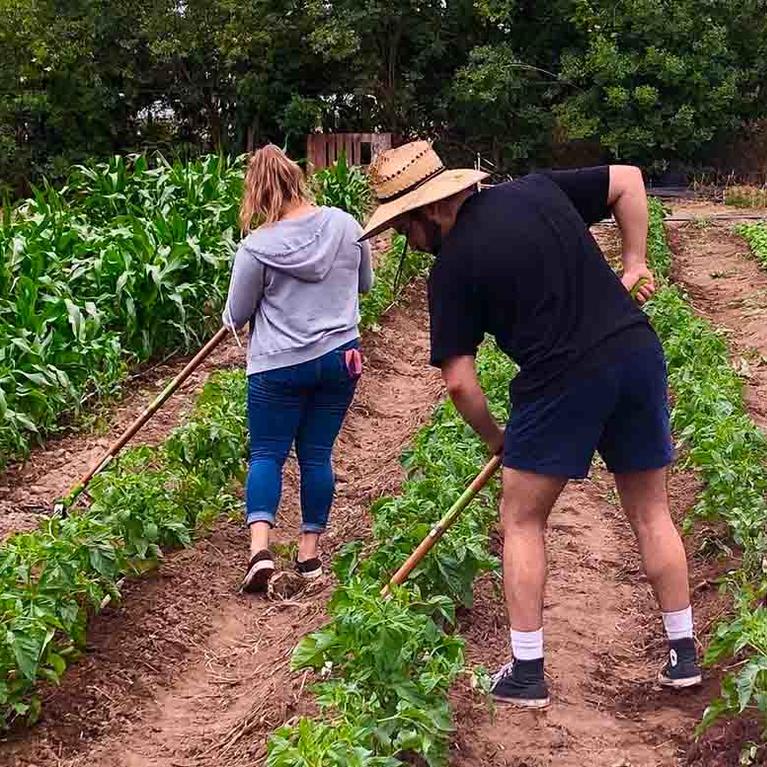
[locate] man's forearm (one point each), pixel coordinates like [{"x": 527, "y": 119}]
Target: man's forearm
[
  {"x": 471, "y": 403},
  {"x": 628, "y": 200}
]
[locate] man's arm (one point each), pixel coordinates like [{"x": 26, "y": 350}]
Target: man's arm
[
  {"x": 460, "y": 376},
  {"x": 628, "y": 200}
]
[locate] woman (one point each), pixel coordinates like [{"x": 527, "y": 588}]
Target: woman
[{"x": 296, "y": 279}]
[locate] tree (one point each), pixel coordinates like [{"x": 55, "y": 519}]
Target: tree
[
  {"x": 658, "y": 80},
  {"x": 503, "y": 107}
]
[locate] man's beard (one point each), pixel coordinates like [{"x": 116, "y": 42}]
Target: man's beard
[{"x": 434, "y": 236}]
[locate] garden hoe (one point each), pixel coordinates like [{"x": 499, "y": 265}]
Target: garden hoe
[
  {"x": 455, "y": 511},
  {"x": 62, "y": 506}
]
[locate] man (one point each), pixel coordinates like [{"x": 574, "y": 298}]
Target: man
[{"x": 518, "y": 261}]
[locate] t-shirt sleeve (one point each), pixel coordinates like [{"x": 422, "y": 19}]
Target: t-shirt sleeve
[
  {"x": 456, "y": 318},
  {"x": 587, "y": 188}
]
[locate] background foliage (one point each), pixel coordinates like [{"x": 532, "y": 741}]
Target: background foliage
[{"x": 649, "y": 81}]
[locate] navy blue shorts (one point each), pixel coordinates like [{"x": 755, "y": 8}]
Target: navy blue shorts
[{"x": 620, "y": 410}]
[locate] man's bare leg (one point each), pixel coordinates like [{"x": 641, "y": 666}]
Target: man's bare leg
[
  {"x": 645, "y": 502},
  {"x": 527, "y": 502},
  {"x": 644, "y": 498}
]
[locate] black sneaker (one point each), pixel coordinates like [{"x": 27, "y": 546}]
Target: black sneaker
[
  {"x": 682, "y": 668},
  {"x": 260, "y": 570},
  {"x": 310, "y": 569},
  {"x": 521, "y": 683}
]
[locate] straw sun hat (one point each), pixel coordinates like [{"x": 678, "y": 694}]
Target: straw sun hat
[{"x": 410, "y": 177}]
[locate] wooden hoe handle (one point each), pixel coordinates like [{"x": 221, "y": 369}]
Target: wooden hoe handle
[
  {"x": 107, "y": 457},
  {"x": 455, "y": 511}
]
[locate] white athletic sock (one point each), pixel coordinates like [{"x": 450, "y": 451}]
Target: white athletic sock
[
  {"x": 678, "y": 624},
  {"x": 527, "y": 645}
]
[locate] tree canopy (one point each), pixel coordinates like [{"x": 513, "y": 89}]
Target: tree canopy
[{"x": 647, "y": 81}]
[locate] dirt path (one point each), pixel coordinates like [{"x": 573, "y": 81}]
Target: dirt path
[
  {"x": 728, "y": 287},
  {"x": 710, "y": 210},
  {"x": 186, "y": 672},
  {"x": 604, "y": 645}
]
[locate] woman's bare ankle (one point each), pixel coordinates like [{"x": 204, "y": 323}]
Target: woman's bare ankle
[
  {"x": 259, "y": 537},
  {"x": 308, "y": 546}
]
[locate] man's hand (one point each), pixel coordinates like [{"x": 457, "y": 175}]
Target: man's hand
[
  {"x": 633, "y": 276},
  {"x": 495, "y": 445},
  {"x": 463, "y": 387},
  {"x": 628, "y": 200}
]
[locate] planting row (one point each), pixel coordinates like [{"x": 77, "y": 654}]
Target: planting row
[
  {"x": 756, "y": 237},
  {"x": 128, "y": 261},
  {"x": 386, "y": 665},
  {"x": 729, "y": 451},
  {"x": 125, "y": 262},
  {"x": 53, "y": 578}
]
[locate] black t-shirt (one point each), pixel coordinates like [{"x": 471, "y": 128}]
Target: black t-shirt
[{"x": 521, "y": 264}]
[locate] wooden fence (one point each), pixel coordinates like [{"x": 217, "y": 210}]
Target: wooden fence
[{"x": 323, "y": 149}]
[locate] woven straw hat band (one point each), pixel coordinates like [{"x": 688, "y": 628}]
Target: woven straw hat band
[
  {"x": 410, "y": 177},
  {"x": 398, "y": 171}
]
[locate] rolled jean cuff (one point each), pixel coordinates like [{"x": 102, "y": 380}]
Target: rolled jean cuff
[
  {"x": 311, "y": 527},
  {"x": 259, "y": 516}
]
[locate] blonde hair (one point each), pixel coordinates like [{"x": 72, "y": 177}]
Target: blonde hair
[{"x": 272, "y": 183}]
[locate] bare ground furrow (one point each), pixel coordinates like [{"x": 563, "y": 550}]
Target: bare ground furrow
[{"x": 187, "y": 672}]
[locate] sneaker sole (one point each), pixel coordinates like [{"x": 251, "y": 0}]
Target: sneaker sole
[
  {"x": 312, "y": 575},
  {"x": 257, "y": 578},
  {"x": 679, "y": 684},
  {"x": 532, "y": 703}
]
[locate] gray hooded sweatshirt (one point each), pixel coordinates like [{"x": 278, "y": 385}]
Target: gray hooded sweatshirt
[{"x": 297, "y": 281}]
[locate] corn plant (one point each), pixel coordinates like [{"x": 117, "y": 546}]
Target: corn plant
[
  {"x": 127, "y": 261},
  {"x": 343, "y": 186}
]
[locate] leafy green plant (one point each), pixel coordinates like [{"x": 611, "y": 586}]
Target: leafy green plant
[
  {"x": 53, "y": 577},
  {"x": 151, "y": 500},
  {"x": 343, "y": 186},
  {"x": 729, "y": 451},
  {"x": 385, "y": 666},
  {"x": 756, "y": 237}
]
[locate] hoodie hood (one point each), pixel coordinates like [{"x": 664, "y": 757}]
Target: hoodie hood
[{"x": 304, "y": 247}]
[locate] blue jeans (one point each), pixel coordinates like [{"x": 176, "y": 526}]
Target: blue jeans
[{"x": 305, "y": 404}]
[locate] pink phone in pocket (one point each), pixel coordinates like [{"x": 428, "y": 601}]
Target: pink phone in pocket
[{"x": 353, "y": 361}]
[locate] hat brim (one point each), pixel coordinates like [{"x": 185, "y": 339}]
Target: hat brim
[{"x": 446, "y": 184}]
